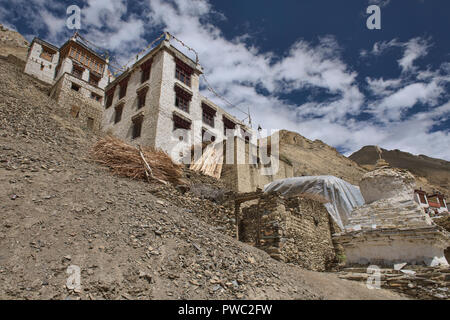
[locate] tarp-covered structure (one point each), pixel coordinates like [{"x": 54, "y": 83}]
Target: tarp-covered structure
[{"x": 343, "y": 197}]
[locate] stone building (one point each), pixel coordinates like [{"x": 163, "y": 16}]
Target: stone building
[
  {"x": 77, "y": 74},
  {"x": 295, "y": 230},
  {"x": 157, "y": 102},
  {"x": 433, "y": 204},
  {"x": 42, "y": 60}
]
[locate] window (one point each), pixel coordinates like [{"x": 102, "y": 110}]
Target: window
[
  {"x": 118, "y": 114},
  {"x": 93, "y": 79},
  {"x": 208, "y": 115},
  {"x": 47, "y": 54},
  {"x": 182, "y": 99},
  {"x": 142, "y": 94},
  {"x": 77, "y": 71},
  {"x": 182, "y": 103},
  {"x": 228, "y": 125},
  {"x": 146, "y": 67},
  {"x": 137, "y": 126},
  {"x": 422, "y": 198},
  {"x": 96, "y": 97},
  {"x": 109, "y": 97},
  {"x": 123, "y": 87},
  {"x": 180, "y": 123},
  {"x": 183, "y": 72},
  {"x": 75, "y": 87}
]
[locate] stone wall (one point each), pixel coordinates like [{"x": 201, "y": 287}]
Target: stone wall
[
  {"x": 295, "y": 230},
  {"x": 79, "y": 104}
]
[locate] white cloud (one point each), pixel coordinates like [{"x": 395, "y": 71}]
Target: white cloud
[{"x": 414, "y": 49}]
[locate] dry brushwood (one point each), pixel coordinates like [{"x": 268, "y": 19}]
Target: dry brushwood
[{"x": 125, "y": 160}]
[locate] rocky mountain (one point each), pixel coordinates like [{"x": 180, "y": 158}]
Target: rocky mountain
[
  {"x": 130, "y": 239},
  {"x": 12, "y": 42},
  {"x": 430, "y": 173},
  {"x": 311, "y": 158}
]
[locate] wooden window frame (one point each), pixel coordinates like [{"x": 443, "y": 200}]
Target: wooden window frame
[
  {"x": 182, "y": 99},
  {"x": 208, "y": 115},
  {"x": 183, "y": 72}
]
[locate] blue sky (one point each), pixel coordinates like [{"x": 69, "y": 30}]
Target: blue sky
[{"x": 306, "y": 66}]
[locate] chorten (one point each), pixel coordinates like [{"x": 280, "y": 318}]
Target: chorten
[{"x": 391, "y": 227}]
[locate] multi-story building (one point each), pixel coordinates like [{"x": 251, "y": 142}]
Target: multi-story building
[
  {"x": 157, "y": 102},
  {"x": 77, "y": 74}
]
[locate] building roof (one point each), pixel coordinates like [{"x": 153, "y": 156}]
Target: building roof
[
  {"x": 153, "y": 52},
  {"x": 84, "y": 47},
  {"x": 45, "y": 43}
]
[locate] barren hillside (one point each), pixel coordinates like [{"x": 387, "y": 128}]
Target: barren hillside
[
  {"x": 131, "y": 239},
  {"x": 431, "y": 173},
  {"x": 317, "y": 158},
  {"x": 12, "y": 42}
]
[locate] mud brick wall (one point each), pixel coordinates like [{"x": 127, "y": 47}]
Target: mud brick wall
[{"x": 294, "y": 230}]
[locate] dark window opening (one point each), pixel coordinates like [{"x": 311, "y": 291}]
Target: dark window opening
[
  {"x": 180, "y": 123},
  {"x": 137, "y": 127},
  {"x": 142, "y": 97},
  {"x": 146, "y": 67},
  {"x": 118, "y": 114},
  {"x": 109, "y": 97},
  {"x": 93, "y": 79},
  {"x": 75, "y": 87},
  {"x": 96, "y": 97},
  {"x": 145, "y": 75},
  {"x": 123, "y": 87}
]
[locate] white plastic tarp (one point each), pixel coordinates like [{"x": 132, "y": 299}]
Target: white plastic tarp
[{"x": 343, "y": 197}]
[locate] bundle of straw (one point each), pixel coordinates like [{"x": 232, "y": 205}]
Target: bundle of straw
[{"x": 125, "y": 160}]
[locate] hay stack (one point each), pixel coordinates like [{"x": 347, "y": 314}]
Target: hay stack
[{"x": 125, "y": 160}]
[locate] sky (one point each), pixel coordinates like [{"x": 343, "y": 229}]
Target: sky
[{"x": 307, "y": 66}]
